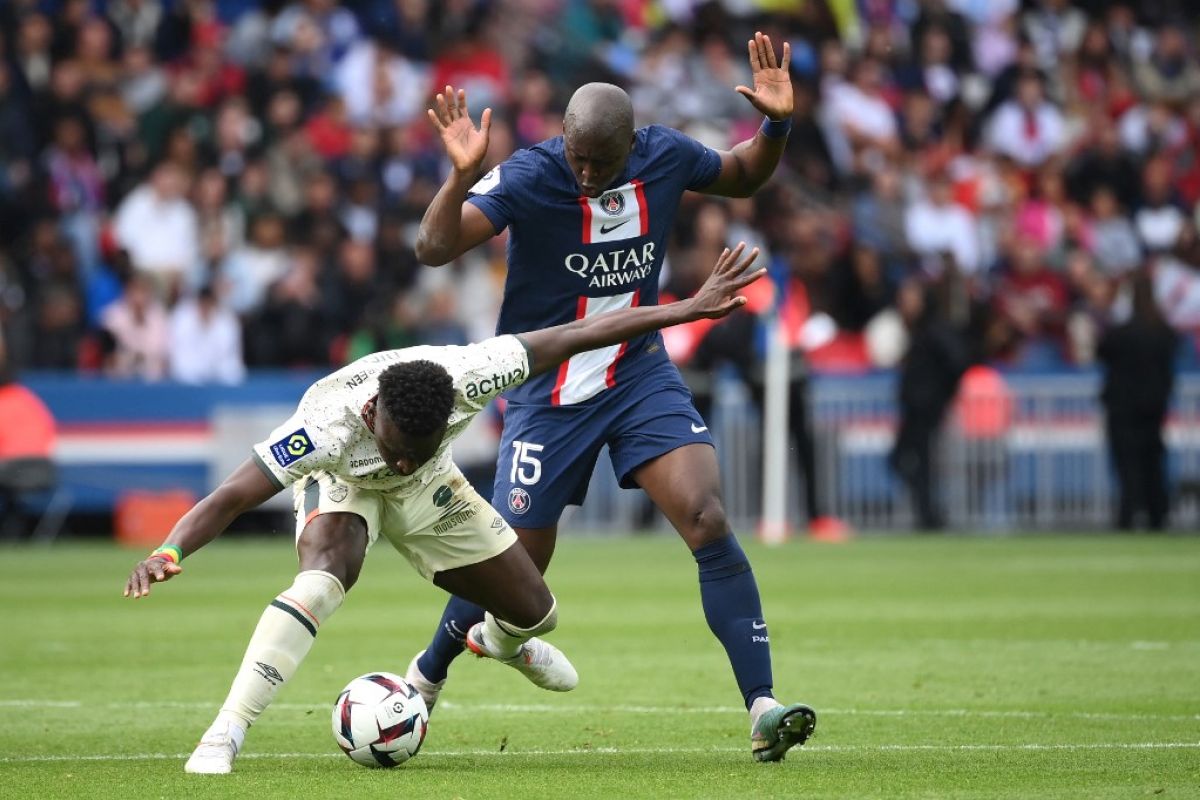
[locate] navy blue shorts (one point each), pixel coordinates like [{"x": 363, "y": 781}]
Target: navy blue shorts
[{"x": 547, "y": 453}]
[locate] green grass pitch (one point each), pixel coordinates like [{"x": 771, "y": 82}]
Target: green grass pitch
[{"x": 1028, "y": 667}]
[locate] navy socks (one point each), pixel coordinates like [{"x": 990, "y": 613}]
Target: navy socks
[
  {"x": 729, "y": 595},
  {"x": 447, "y": 643}
]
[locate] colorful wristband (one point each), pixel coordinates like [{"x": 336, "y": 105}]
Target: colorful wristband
[
  {"x": 776, "y": 128},
  {"x": 169, "y": 551}
]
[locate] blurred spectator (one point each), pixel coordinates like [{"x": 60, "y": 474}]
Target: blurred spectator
[
  {"x": 157, "y": 225},
  {"x": 1114, "y": 241},
  {"x": 293, "y": 328},
  {"x": 937, "y": 224},
  {"x": 1170, "y": 74},
  {"x": 1034, "y": 301},
  {"x": 380, "y": 86},
  {"x": 76, "y": 189},
  {"x": 136, "y": 20},
  {"x": 206, "y": 341},
  {"x": 1159, "y": 220},
  {"x": 251, "y": 269},
  {"x": 1028, "y": 129},
  {"x": 1138, "y": 356},
  {"x": 137, "y": 323}
]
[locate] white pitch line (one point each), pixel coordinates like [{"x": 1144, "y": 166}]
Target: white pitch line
[
  {"x": 548, "y": 708},
  {"x": 627, "y": 751}
]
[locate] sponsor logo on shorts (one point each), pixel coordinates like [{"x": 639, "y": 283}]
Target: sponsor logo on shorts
[
  {"x": 498, "y": 522},
  {"x": 518, "y": 500},
  {"x": 338, "y": 492},
  {"x": 442, "y": 496},
  {"x": 455, "y": 519},
  {"x": 292, "y": 447}
]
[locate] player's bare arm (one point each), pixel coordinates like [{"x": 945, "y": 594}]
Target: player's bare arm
[
  {"x": 451, "y": 226},
  {"x": 717, "y": 298},
  {"x": 749, "y": 165},
  {"x": 246, "y": 488}
]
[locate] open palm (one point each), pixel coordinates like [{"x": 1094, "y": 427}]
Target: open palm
[
  {"x": 465, "y": 145},
  {"x": 772, "y": 92}
]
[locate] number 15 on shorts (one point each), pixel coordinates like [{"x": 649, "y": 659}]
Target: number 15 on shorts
[{"x": 526, "y": 467}]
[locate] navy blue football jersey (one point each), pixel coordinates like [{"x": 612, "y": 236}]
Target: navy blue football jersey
[{"x": 571, "y": 256}]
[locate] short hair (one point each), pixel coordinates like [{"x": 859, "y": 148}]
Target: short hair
[{"x": 417, "y": 396}]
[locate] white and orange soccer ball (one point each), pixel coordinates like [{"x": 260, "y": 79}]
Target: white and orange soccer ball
[{"x": 380, "y": 720}]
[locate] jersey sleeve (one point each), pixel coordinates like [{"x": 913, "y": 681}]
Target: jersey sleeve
[
  {"x": 491, "y": 368},
  {"x": 294, "y": 449},
  {"x": 701, "y": 164},
  {"x": 500, "y": 193}
]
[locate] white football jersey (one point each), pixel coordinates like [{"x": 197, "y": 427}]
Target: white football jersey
[{"x": 328, "y": 432}]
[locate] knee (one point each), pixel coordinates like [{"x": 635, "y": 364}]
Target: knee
[
  {"x": 342, "y": 561},
  {"x": 706, "y": 523}
]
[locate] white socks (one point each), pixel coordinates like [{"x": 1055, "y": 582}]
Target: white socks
[
  {"x": 760, "y": 706},
  {"x": 282, "y": 639},
  {"x": 504, "y": 639}
]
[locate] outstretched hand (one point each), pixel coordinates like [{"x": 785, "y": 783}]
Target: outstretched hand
[
  {"x": 465, "y": 145},
  {"x": 719, "y": 297},
  {"x": 772, "y": 92},
  {"x": 154, "y": 569}
]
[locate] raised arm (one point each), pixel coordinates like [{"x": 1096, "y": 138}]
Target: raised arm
[
  {"x": 246, "y": 488},
  {"x": 718, "y": 297},
  {"x": 749, "y": 165},
  {"x": 451, "y": 226}
]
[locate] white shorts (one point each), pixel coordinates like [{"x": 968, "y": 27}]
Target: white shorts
[{"x": 446, "y": 525}]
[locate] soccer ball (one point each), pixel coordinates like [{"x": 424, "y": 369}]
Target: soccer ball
[{"x": 380, "y": 720}]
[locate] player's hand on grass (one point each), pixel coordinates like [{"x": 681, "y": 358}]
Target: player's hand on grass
[
  {"x": 154, "y": 569},
  {"x": 772, "y": 92},
  {"x": 465, "y": 145},
  {"x": 719, "y": 295}
]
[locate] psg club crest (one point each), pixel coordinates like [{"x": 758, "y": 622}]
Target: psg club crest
[
  {"x": 518, "y": 500},
  {"x": 613, "y": 203}
]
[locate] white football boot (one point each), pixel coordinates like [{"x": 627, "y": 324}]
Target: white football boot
[
  {"x": 217, "y": 749},
  {"x": 429, "y": 689},
  {"x": 542, "y": 663}
]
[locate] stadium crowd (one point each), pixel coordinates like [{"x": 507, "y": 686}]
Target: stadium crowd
[{"x": 188, "y": 187}]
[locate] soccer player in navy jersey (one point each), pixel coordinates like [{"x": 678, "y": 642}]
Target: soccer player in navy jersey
[{"x": 588, "y": 215}]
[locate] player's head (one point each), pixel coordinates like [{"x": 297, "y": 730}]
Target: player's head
[
  {"x": 410, "y": 413},
  {"x": 598, "y": 135}
]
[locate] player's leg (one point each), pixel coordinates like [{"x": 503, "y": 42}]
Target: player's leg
[
  {"x": 520, "y": 608},
  {"x": 685, "y": 485},
  {"x": 427, "y": 670},
  {"x": 537, "y": 475},
  {"x": 457, "y": 540},
  {"x": 331, "y": 546}
]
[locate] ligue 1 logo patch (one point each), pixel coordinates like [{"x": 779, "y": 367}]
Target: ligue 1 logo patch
[
  {"x": 518, "y": 500},
  {"x": 613, "y": 203},
  {"x": 292, "y": 447}
]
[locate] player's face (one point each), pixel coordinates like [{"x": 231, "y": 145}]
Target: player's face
[
  {"x": 403, "y": 452},
  {"x": 596, "y": 163}
]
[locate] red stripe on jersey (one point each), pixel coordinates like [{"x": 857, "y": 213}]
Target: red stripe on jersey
[
  {"x": 610, "y": 377},
  {"x": 564, "y": 367},
  {"x": 587, "y": 220},
  {"x": 643, "y": 210}
]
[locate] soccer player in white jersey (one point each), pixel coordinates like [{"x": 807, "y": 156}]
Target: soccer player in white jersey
[{"x": 367, "y": 453}]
